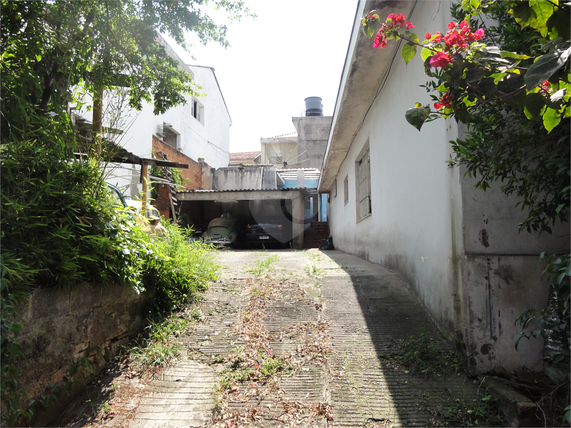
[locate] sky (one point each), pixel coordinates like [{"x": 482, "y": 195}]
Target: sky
[{"x": 292, "y": 50}]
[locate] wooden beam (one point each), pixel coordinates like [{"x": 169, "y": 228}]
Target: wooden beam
[
  {"x": 144, "y": 175},
  {"x": 98, "y": 120}
]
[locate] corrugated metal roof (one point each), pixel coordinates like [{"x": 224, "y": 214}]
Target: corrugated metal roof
[
  {"x": 243, "y": 190},
  {"x": 291, "y": 174}
]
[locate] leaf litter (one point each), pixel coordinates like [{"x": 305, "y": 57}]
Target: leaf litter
[{"x": 249, "y": 391}]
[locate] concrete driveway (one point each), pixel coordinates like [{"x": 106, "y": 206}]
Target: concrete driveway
[
  {"x": 331, "y": 320},
  {"x": 297, "y": 339}
]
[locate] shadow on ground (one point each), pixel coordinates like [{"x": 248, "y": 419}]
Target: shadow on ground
[{"x": 372, "y": 310}]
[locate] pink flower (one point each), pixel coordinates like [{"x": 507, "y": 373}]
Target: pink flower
[
  {"x": 479, "y": 34},
  {"x": 451, "y": 25},
  {"x": 440, "y": 60},
  {"x": 463, "y": 24},
  {"x": 408, "y": 25}
]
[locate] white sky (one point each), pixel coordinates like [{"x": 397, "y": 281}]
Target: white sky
[{"x": 293, "y": 50}]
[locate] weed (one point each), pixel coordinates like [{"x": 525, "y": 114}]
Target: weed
[
  {"x": 312, "y": 270},
  {"x": 196, "y": 315},
  {"x": 428, "y": 355},
  {"x": 104, "y": 408},
  {"x": 454, "y": 412},
  {"x": 263, "y": 265},
  {"x": 158, "y": 348},
  {"x": 314, "y": 256}
]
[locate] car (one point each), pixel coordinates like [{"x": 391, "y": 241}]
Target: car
[
  {"x": 224, "y": 231},
  {"x": 270, "y": 232}
]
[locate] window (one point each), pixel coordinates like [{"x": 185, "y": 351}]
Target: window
[
  {"x": 198, "y": 111},
  {"x": 171, "y": 136},
  {"x": 346, "y": 190},
  {"x": 363, "y": 184}
]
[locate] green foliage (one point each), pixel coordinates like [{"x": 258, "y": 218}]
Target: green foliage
[
  {"x": 59, "y": 225},
  {"x": 56, "y": 215},
  {"x": 455, "y": 412},
  {"x": 49, "y": 47},
  {"x": 175, "y": 269},
  {"x": 244, "y": 368},
  {"x": 429, "y": 355},
  {"x": 159, "y": 346}
]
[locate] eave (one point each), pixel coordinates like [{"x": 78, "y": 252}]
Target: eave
[{"x": 364, "y": 73}]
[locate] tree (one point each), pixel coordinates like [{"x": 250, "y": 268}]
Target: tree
[{"x": 50, "y": 47}]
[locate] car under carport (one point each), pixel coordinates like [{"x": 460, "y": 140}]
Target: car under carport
[{"x": 201, "y": 206}]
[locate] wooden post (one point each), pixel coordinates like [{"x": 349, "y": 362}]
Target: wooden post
[
  {"x": 98, "y": 120},
  {"x": 175, "y": 221},
  {"x": 144, "y": 174}
]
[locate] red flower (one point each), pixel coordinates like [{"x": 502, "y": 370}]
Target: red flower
[
  {"x": 427, "y": 36},
  {"x": 451, "y": 25},
  {"x": 445, "y": 101},
  {"x": 408, "y": 25},
  {"x": 440, "y": 60},
  {"x": 463, "y": 24},
  {"x": 454, "y": 39},
  {"x": 545, "y": 85},
  {"x": 380, "y": 39}
]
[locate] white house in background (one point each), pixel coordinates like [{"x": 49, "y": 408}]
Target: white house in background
[
  {"x": 199, "y": 129},
  {"x": 394, "y": 201}
]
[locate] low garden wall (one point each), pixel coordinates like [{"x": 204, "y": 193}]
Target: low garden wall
[{"x": 59, "y": 326}]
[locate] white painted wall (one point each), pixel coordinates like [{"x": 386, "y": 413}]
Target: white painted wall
[
  {"x": 416, "y": 201},
  {"x": 210, "y": 140},
  {"x": 427, "y": 219},
  {"x": 213, "y": 138}
]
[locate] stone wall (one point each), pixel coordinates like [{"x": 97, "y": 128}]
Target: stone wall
[{"x": 60, "y": 325}]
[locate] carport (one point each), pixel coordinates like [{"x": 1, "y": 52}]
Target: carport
[{"x": 201, "y": 206}]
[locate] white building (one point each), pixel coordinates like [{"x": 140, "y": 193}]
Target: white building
[
  {"x": 394, "y": 201},
  {"x": 199, "y": 129}
]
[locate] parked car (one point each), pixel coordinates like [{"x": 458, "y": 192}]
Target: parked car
[
  {"x": 269, "y": 232},
  {"x": 224, "y": 231}
]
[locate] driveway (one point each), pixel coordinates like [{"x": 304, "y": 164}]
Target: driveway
[{"x": 300, "y": 338}]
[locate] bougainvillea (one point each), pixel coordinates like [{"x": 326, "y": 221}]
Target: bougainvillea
[{"x": 470, "y": 73}]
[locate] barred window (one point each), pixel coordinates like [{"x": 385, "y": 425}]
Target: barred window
[{"x": 363, "y": 185}]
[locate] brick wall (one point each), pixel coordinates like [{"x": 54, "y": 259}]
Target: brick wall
[
  {"x": 191, "y": 176},
  {"x": 318, "y": 231}
]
